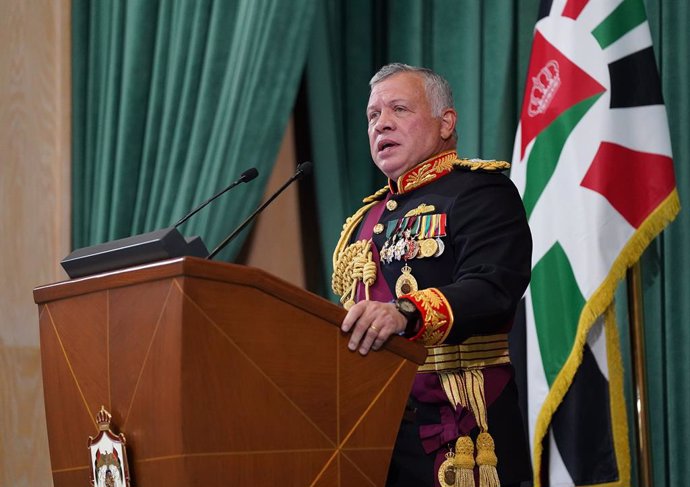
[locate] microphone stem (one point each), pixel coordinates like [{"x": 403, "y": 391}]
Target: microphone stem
[
  {"x": 246, "y": 222},
  {"x": 203, "y": 205}
]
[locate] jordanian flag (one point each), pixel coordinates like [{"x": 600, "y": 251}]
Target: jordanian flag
[{"x": 592, "y": 161}]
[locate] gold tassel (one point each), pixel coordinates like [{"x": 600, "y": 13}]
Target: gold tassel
[
  {"x": 466, "y": 389},
  {"x": 487, "y": 461},
  {"x": 464, "y": 462}
]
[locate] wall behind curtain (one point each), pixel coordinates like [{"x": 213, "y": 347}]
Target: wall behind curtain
[
  {"x": 34, "y": 217},
  {"x": 172, "y": 101},
  {"x": 482, "y": 48}
]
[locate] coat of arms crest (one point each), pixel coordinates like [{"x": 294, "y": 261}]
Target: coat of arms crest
[{"x": 108, "y": 455}]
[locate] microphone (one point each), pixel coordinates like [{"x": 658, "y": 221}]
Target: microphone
[
  {"x": 148, "y": 247},
  {"x": 245, "y": 177},
  {"x": 304, "y": 169}
]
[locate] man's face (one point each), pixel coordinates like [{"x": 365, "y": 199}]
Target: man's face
[{"x": 402, "y": 130}]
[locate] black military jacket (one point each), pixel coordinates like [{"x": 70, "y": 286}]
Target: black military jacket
[
  {"x": 484, "y": 268},
  {"x": 478, "y": 275}
]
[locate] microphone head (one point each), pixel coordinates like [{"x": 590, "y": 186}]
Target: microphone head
[
  {"x": 304, "y": 169},
  {"x": 249, "y": 174}
]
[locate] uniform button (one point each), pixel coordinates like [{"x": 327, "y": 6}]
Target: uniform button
[
  {"x": 391, "y": 205},
  {"x": 378, "y": 228}
]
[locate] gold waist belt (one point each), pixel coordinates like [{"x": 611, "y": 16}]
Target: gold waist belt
[{"x": 474, "y": 353}]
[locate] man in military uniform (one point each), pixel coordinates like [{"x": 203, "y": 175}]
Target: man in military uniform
[{"x": 442, "y": 256}]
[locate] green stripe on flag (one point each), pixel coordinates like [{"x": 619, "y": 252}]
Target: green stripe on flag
[
  {"x": 547, "y": 149},
  {"x": 557, "y": 303},
  {"x": 624, "y": 18}
]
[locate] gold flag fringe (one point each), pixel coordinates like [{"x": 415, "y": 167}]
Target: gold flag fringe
[{"x": 595, "y": 306}]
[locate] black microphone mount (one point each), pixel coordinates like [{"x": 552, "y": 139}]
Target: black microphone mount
[{"x": 148, "y": 247}]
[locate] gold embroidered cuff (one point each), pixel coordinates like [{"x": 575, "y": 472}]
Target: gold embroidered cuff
[{"x": 437, "y": 316}]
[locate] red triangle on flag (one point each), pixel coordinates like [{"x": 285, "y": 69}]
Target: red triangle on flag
[
  {"x": 554, "y": 84},
  {"x": 635, "y": 183},
  {"x": 573, "y": 8}
]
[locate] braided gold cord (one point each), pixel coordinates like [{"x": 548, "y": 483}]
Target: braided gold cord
[
  {"x": 344, "y": 267},
  {"x": 369, "y": 271},
  {"x": 376, "y": 196},
  {"x": 343, "y": 255},
  {"x": 485, "y": 165},
  {"x": 347, "y": 294},
  {"x": 346, "y": 234},
  {"x": 358, "y": 266}
]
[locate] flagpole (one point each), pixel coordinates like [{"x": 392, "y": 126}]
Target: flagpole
[{"x": 641, "y": 422}]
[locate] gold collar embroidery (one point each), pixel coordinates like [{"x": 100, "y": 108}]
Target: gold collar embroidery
[{"x": 425, "y": 172}]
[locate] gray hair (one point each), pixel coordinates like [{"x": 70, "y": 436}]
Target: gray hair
[{"x": 437, "y": 88}]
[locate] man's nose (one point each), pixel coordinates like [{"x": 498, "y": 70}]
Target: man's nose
[{"x": 384, "y": 122}]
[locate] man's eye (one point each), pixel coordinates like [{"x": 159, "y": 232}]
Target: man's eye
[
  {"x": 373, "y": 116},
  {"x": 400, "y": 108}
]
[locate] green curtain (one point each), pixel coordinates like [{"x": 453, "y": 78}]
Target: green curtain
[
  {"x": 666, "y": 265},
  {"x": 339, "y": 63},
  {"x": 482, "y": 47},
  {"x": 172, "y": 100}
]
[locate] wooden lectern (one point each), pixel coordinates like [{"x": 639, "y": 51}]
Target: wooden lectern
[{"x": 218, "y": 375}]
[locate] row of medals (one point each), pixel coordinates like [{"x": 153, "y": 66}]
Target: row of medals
[{"x": 410, "y": 247}]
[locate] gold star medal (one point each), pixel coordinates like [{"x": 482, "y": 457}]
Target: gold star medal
[{"x": 406, "y": 283}]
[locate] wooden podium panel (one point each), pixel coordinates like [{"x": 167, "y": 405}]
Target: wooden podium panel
[{"x": 217, "y": 374}]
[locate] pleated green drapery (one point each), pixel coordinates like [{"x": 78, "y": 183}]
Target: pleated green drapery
[
  {"x": 482, "y": 47},
  {"x": 341, "y": 58},
  {"x": 666, "y": 266},
  {"x": 172, "y": 100}
]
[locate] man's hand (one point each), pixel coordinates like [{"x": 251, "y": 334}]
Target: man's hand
[{"x": 372, "y": 323}]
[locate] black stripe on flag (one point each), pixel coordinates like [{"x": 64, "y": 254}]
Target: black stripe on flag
[
  {"x": 544, "y": 9},
  {"x": 582, "y": 426},
  {"x": 635, "y": 80}
]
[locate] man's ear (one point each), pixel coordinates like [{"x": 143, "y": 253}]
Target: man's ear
[{"x": 448, "y": 119}]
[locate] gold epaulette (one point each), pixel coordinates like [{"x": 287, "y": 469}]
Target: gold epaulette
[
  {"x": 482, "y": 164},
  {"x": 376, "y": 196},
  {"x": 345, "y": 253}
]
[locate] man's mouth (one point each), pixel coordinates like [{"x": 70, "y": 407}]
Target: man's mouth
[{"x": 386, "y": 146}]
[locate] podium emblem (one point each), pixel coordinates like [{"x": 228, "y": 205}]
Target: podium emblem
[{"x": 108, "y": 455}]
